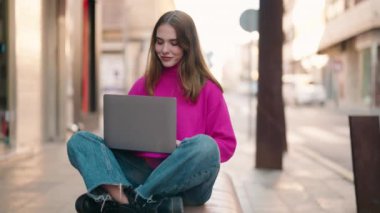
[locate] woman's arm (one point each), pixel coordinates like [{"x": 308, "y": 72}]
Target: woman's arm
[{"x": 218, "y": 124}]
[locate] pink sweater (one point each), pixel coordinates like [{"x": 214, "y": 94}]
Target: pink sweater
[{"x": 208, "y": 115}]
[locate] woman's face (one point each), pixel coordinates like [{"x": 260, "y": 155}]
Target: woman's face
[{"x": 167, "y": 46}]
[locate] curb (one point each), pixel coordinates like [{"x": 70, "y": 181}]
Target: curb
[{"x": 341, "y": 171}]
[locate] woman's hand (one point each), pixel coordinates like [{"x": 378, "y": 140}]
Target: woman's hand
[{"x": 178, "y": 143}]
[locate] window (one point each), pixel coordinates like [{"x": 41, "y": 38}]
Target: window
[
  {"x": 366, "y": 76},
  {"x": 334, "y": 8},
  {"x": 358, "y": 1},
  {"x": 377, "y": 78}
]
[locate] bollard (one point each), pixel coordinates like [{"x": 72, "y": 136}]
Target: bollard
[{"x": 365, "y": 146}]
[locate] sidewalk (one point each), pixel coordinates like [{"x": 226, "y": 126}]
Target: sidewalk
[
  {"x": 303, "y": 185},
  {"x": 46, "y": 182}
]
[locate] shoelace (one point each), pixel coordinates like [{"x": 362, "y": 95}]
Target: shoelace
[
  {"x": 108, "y": 197},
  {"x": 120, "y": 190}
]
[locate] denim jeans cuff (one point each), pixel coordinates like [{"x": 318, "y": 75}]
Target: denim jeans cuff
[
  {"x": 99, "y": 195},
  {"x": 151, "y": 202}
]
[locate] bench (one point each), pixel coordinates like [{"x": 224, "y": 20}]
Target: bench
[{"x": 224, "y": 198}]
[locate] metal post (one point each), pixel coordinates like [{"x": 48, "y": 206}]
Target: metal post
[{"x": 250, "y": 132}]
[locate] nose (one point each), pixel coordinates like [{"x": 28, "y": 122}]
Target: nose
[{"x": 165, "y": 48}]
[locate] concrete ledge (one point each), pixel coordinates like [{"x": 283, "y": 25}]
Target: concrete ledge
[{"x": 224, "y": 198}]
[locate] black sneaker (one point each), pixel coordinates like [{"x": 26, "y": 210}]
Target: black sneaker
[
  {"x": 119, "y": 208},
  {"x": 171, "y": 204},
  {"x": 85, "y": 204}
]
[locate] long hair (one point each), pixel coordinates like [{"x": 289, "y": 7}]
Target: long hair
[{"x": 193, "y": 70}]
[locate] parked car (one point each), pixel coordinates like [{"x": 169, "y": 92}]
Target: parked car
[{"x": 302, "y": 90}]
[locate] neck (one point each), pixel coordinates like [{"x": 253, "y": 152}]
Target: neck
[{"x": 172, "y": 68}]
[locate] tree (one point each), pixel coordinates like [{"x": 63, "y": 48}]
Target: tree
[{"x": 271, "y": 130}]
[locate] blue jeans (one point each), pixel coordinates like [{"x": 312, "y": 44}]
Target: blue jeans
[{"x": 190, "y": 171}]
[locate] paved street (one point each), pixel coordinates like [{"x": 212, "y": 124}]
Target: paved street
[
  {"x": 323, "y": 131},
  {"x": 328, "y": 127},
  {"x": 317, "y": 166},
  {"x": 46, "y": 182}
]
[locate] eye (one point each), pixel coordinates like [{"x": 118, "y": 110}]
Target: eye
[
  {"x": 159, "y": 41},
  {"x": 174, "y": 43}
]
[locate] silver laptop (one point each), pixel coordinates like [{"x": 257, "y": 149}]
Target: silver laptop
[{"x": 140, "y": 123}]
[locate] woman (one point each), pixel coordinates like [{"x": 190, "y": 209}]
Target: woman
[{"x": 125, "y": 181}]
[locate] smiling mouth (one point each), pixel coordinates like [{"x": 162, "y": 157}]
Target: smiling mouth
[{"x": 166, "y": 58}]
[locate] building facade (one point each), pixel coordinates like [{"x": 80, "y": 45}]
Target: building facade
[
  {"x": 337, "y": 41},
  {"x": 351, "y": 39},
  {"x": 42, "y": 69},
  {"x": 52, "y": 55},
  {"x": 126, "y": 30}
]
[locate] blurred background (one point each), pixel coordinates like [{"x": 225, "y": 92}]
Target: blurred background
[{"x": 58, "y": 57}]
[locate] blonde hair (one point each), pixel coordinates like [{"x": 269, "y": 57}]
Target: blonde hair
[{"x": 193, "y": 70}]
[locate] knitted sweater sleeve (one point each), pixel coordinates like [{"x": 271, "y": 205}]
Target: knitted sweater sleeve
[
  {"x": 218, "y": 123},
  {"x": 138, "y": 87}
]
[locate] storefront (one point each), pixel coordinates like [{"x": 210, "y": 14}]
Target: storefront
[
  {"x": 352, "y": 75},
  {"x": 4, "y": 107},
  {"x": 40, "y": 67}
]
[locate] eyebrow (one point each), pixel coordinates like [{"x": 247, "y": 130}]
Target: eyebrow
[{"x": 174, "y": 39}]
